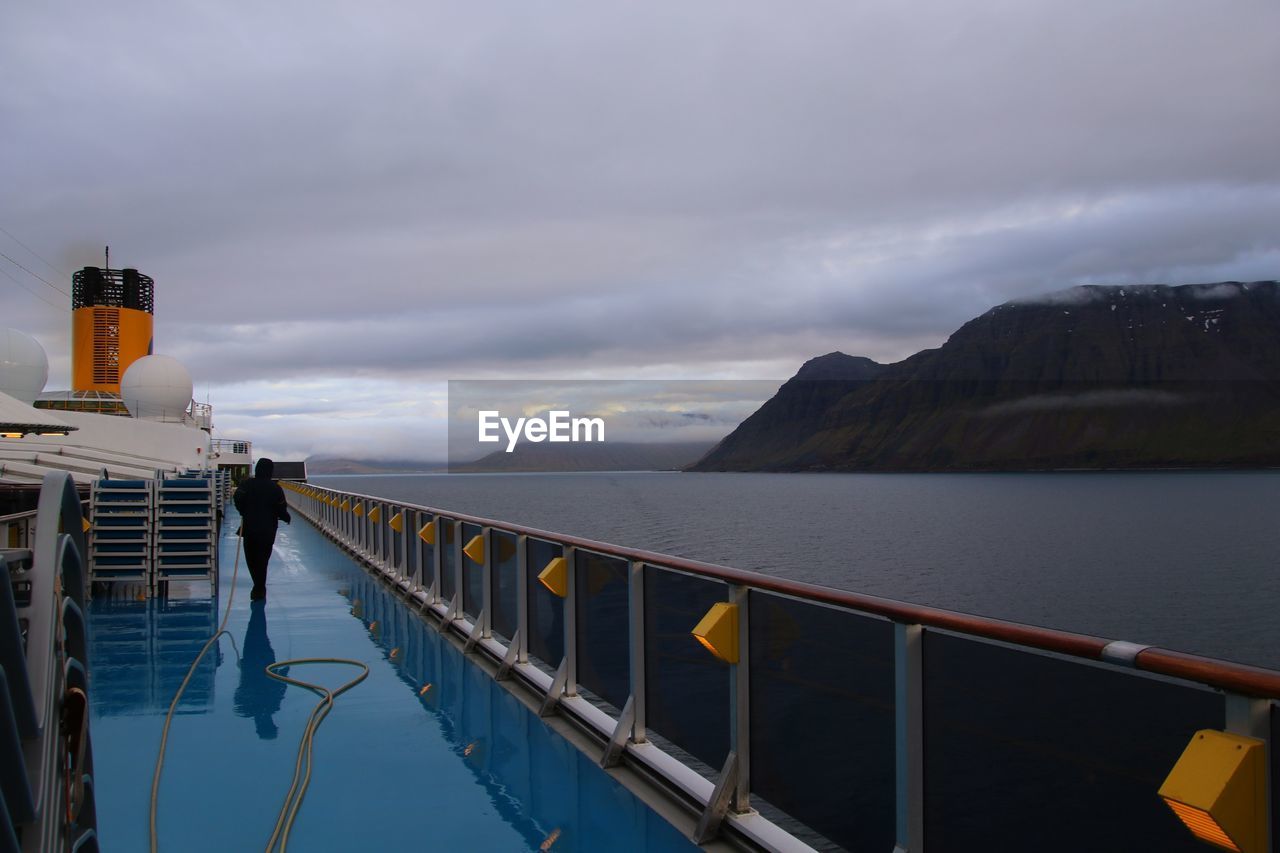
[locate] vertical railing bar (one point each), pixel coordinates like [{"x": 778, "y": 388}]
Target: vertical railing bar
[
  {"x": 384, "y": 537},
  {"x": 522, "y": 598},
  {"x": 635, "y": 615},
  {"x": 412, "y": 523},
  {"x": 1251, "y": 717},
  {"x": 570, "y": 605},
  {"x": 908, "y": 716},
  {"x": 437, "y": 560},
  {"x": 740, "y": 712},
  {"x": 486, "y": 585},
  {"x": 459, "y": 574}
]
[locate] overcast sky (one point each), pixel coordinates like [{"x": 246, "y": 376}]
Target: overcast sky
[{"x": 344, "y": 205}]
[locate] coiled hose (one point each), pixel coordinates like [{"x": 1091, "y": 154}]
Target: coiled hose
[{"x": 302, "y": 767}]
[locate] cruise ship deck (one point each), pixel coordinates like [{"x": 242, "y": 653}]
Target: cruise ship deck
[{"x": 428, "y": 751}]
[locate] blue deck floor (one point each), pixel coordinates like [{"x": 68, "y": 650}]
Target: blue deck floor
[{"x": 461, "y": 766}]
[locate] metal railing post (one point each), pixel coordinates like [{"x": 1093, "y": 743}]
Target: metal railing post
[
  {"x": 486, "y": 584},
  {"x": 1251, "y": 717},
  {"x": 908, "y": 725},
  {"x": 570, "y": 605},
  {"x": 740, "y": 711},
  {"x": 437, "y": 560},
  {"x": 459, "y": 573},
  {"x": 635, "y": 616},
  {"x": 522, "y": 598}
]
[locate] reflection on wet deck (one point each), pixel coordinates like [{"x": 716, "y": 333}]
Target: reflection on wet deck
[{"x": 429, "y": 751}]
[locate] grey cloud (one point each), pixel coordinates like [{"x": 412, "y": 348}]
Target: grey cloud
[{"x": 430, "y": 190}]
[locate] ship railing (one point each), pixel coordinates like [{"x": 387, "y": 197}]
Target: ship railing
[
  {"x": 46, "y": 759},
  {"x": 842, "y": 719},
  {"x": 231, "y": 446},
  {"x": 18, "y": 530}
]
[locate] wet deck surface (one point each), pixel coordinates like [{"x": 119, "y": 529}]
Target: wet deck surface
[{"x": 461, "y": 765}]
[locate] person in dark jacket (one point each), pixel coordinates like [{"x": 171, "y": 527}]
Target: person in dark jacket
[{"x": 260, "y": 501}]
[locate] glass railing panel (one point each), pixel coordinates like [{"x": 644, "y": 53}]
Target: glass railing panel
[
  {"x": 1061, "y": 755},
  {"x": 686, "y": 688},
  {"x": 472, "y": 575},
  {"x": 546, "y": 610},
  {"x": 822, "y": 729},
  {"x": 426, "y": 553},
  {"x": 446, "y": 536},
  {"x": 604, "y": 663},
  {"x": 404, "y": 540},
  {"x": 505, "y": 583}
]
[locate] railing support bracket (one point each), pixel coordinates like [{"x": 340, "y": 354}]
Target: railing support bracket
[
  {"x": 618, "y": 741},
  {"x": 714, "y": 814}
]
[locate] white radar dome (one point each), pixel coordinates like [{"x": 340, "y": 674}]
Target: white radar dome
[
  {"x": 24, "y": 367},
  {"x": 156, "y": 388}
]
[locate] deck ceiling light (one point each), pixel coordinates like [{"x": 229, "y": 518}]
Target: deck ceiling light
[
  {"x": 375, "y": 514},
  {"x": 397, "y": 522},
  {"x": 555, "y": 577},
  {"x": 475, "y": 548},
  {"x": 1218, "y": 790},
  {"x": 428, "y": 533},
  {"x": 718, "y": 631},
  {"x": 85, "y": 525}
]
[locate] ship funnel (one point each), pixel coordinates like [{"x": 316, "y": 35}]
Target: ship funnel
[{"x": 111, "y": 326}]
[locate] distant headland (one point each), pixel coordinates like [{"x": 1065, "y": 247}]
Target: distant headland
[{"x": 1152, "y": 376}]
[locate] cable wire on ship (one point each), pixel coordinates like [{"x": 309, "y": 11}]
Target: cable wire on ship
[{"x": 303, "y": 765}]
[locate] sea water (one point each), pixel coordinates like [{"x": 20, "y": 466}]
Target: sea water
[{"x": 1188, "y": 560}]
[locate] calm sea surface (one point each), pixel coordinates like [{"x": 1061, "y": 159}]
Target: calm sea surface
[{"x": 1186, "y": 560}]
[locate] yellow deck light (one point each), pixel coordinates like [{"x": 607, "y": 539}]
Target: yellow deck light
[
  {"x": 397, "y": 522},
  {"x": 375, "y": 514},
  {"x": 359, "y": 509},
  {"x": 475, "y": 548},
  {"x": 1218, "y": 790},
  {"x": 555, "y": 577},
  {"x": 428, "y": 533},
  {"x": 85, "y": 525},
  {"x": 346, "y": 505},
  {"x": 718, "y": 631}
]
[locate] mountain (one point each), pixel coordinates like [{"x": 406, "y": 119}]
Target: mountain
[
  {"x": 603, "y": 456},
  {"x": 1091, "y": 377},
  {"x": 337, "y": 465}
]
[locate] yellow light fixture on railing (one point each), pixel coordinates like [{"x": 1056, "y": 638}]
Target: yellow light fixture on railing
[
  {"x": 85, "y": 525},
  {"x": 718, "y": 631},
  {"x": 428, "y": 533},
  {"x": 397, "y": 522},
  {"x": 555, "y": 577},
  {"x": 346, "y": 505},
  {"x": 375, "y": 514},
  {"x": 475, "y": 548},
  {"x": 1218, "y": 790},
  {"x": 359, "y": 509}
]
